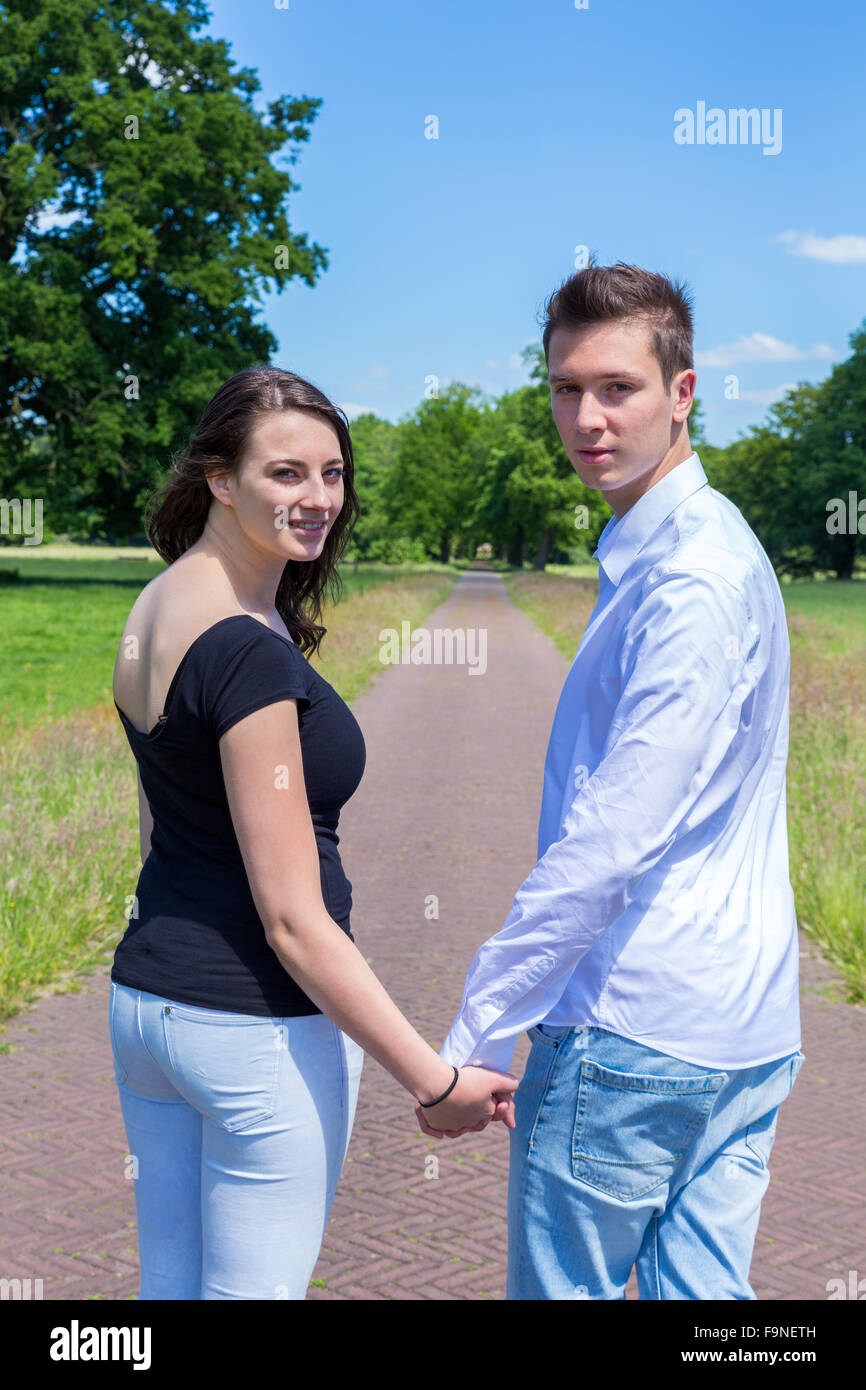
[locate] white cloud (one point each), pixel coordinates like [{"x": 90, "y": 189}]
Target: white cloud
[
  {"x": 843, "y": 249},
  {"x": 353, "y": 409},
  {"x": 514, "y": 364},
  {"x": 770, "y": 396},
  {"x": 761, "y": 347}
]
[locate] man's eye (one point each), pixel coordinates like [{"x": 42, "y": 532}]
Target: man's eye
[{"x": 626, "y": 386}]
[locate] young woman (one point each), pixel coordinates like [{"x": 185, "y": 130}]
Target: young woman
[{"x": 240, "y": 1008}]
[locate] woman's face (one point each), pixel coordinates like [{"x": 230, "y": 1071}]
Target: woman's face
[{"x": 291, "y": 473}]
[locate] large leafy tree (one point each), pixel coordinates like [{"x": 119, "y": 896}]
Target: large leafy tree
[{"x": 119, "y": 320}]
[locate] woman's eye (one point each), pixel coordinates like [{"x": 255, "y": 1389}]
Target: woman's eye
[{"x": 290, "y": 472}]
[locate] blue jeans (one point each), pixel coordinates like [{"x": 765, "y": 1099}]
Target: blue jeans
[
  {"x": 624, "y": 1156},
  {"x": 237, "y": 1128}
]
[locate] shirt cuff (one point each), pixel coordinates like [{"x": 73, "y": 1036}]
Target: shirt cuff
[
  {"x": 461, "y": 1048},
  {"x": 485, "y": 1030}
]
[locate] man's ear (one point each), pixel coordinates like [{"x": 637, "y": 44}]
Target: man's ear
[{"x": 683, "y": 387}]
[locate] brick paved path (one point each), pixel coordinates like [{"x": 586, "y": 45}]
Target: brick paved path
[{"x": 448, "y": 806}]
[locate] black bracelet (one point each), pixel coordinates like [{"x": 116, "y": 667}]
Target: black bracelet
[{"x": 425, "y": 1105}]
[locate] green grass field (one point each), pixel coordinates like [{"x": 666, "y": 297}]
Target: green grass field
[
  {"x": 61, "y": 622},
  {"x": 69, "y": 859}
]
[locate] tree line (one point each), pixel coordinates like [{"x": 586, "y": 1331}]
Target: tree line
[
  {"x": 123, "y": 313},
  {"x": 464, "y": 470}
]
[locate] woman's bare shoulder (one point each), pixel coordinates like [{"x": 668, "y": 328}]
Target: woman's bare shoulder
[
  {"x": 181, "y": 603},
  {"x": 172, "y": 604},
  {"x": 168, "y": 615}
]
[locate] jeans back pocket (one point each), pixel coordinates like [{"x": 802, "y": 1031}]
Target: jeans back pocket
[
  {"x": 225, "y": 1065},
  {"x": 631, "y": 1130}
]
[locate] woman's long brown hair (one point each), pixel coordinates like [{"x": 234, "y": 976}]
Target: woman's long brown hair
[{"x": 176, "y": 512}]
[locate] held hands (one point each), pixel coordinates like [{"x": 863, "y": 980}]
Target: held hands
[{"x": 480, "y": 1095}]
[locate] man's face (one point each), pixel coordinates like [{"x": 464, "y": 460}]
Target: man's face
[{"x": 616, "y": 421}]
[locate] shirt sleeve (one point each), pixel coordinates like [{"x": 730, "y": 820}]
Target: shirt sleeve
[
  {"x": 248, "y": 670},
  {"x": 686, "y": 670}
]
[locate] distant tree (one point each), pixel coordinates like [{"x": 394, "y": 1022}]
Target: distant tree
[
  {"x": 374, "y": 447},
  {"x": 697, "y": 436},
  {"x": 832, "y": 463},
  {"x": 545, "y": 490},
  {"x": 786, "y": 472},
  {"x": 435, "y": 472}
]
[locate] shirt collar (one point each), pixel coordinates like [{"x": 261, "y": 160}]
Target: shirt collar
[{"x": 621, "y": 540}]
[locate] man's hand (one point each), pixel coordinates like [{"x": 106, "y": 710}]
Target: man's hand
[{"x": 499, "y": 1105}]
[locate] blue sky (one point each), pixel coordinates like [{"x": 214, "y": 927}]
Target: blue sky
[{"x": 556, "y": 130}]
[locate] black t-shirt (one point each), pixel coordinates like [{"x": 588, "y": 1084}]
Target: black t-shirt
[{"x": 197, "y": 936}]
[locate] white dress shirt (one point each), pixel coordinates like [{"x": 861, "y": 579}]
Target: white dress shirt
[{"x": 660, "y": 907}]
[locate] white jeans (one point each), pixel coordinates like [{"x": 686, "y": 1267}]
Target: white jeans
[{"x": 238, "y": 1128}]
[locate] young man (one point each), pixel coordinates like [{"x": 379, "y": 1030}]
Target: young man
[{"x": 652, "y": 952}]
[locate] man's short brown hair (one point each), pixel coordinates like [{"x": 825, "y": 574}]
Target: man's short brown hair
[{"x": 605, "y": 294}]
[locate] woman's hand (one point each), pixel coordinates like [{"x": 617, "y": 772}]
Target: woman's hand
[{"x": 480, "y": 1095}]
